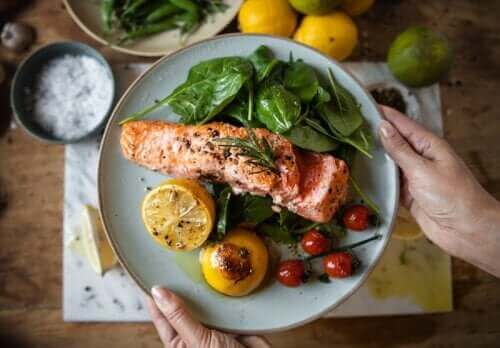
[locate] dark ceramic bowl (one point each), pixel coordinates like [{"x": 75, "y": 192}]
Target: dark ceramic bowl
[{"x": 24, "y": 79}]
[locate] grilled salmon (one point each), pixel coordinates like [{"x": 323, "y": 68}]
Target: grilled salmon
[{"x": 309, "y": 184}]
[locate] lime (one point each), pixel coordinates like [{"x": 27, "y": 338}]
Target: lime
[
  {"x": 316, "y": 7},
  {"x": 419, "y": 56}
]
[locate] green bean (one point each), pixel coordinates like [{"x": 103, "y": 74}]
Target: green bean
[
  {"x": 152, "y": 28},
  {"x": 187, "y": 21},
  {"x": 133, "y": 7},
  {"x": 107, "y": 7},
  {"x": 188, "y": 5},
  {"x": 162, "y": 12}
]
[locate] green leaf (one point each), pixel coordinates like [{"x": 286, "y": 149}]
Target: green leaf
[
  {"x": 277, "y": 108},
  {"x": 343, "y": 113},
  {"x": 322, "y": 96},
  {"x": 256, "y": 209},
  {"x": 333, "y": 230},
  {"x": 277, "y": 233},
  {"x": 210, "y": 86},
  {"x": 263, "y": 62},
  {"x": 301, "y": 80},
  {"x": 308, "y": 138},
  {"x": 339, "y": 122},
  {"x": 239, "y": 109},
  {"x": 223, "y": 212}
]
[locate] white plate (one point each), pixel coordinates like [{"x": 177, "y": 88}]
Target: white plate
[
  {"x": 121, "y": 191},
  {"x": 86, "y": 14}
]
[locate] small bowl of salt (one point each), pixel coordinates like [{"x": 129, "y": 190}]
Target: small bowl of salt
[{"x": 63, "y": 93}]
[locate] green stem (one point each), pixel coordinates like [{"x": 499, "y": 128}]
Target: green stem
[
  {"x": 345, "y": 247},
  {"x": 141, "y": 114},
  {"x": 363, "y": 196}
]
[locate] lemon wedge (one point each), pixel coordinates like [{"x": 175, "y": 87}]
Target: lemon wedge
[
  {"x": 92, "y": 243},
  {"x": 406, "y": 227},
  {"x": 179, "y": 214}
]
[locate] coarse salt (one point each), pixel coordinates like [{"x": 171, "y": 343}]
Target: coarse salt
[{"x": 70, "y": 96}]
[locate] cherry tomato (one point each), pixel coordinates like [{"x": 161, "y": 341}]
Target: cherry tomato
[
  {"x": 356, "y": 217},
  {"x": 291, "y": 272},
  {"x": 338, "y": 265},
  {"x": 314, "y": 242}
]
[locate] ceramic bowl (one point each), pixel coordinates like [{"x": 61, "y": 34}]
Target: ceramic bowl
[{"x": 24, "y": 78}]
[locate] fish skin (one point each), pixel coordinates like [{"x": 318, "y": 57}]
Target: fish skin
[{"x": 310, "y": 184}]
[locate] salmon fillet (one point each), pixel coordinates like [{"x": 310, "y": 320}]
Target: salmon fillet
[{"x": 309, "y": 184}]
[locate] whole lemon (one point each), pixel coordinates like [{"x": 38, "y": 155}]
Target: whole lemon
[
  {"x": 356, "y": 7},
  {"x": 314, "y": 7},
  {"x": 274, "y": 17},
  {"x": 419, "y": 56},
  {"x": 334, "y": 34}
]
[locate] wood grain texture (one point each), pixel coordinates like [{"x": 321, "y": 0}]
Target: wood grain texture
[{"x": 31, "y": 191}]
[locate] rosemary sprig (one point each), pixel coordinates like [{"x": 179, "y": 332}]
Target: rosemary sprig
[{"x": 259, "y": 151}]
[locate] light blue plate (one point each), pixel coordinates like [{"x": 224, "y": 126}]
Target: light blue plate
[{"x": 122, "y": 186}]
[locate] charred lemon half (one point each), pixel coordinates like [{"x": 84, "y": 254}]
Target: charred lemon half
[
  {"x": 179, "y": 214},
  {"x": 236, "y": 265}
]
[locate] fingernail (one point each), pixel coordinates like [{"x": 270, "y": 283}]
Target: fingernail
[
  {"x": 387, "y": 129},
  {"x": 161, "y": 295}
]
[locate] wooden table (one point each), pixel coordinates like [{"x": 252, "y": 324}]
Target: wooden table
[{"x": 31, "y": 191}]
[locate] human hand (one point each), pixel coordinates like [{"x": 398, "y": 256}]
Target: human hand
[
  {"x": 441, "y": 193},
  {"x": 177, "y": 328}
]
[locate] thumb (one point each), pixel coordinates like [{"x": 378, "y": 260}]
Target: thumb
[
  {"x": 174, "y": 310},
  {"x": 398, "y": 148}
]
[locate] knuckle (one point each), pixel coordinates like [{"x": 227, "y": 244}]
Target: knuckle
[{"x": 176, "y": 314}]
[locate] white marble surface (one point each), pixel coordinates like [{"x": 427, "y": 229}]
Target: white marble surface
[{"x": 114, "y": 297}]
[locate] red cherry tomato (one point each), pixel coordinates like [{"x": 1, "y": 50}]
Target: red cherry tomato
[
  {"x": 314, "y": 242},
  {"x": 356, "y": 217},
  {"x": 338, "y": 265},
  {"x": 291, "y": 272}
]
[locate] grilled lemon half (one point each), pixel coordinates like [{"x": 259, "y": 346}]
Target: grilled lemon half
[{"x": 179, "y": 214}]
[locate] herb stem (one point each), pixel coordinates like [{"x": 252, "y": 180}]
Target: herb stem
[
  {"x": 363, "y": 196},
  {"x": 306, "y": 228},
  {"x": 345, "y": 247},
  {"x": 140, "y": 114}
]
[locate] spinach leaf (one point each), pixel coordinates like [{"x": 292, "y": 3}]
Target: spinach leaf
[
  {"x": 277, "y": 108},
  {"x": 256, "y": 209},
  {"x": 322, "y": 96},
  {"x": 346, "y": 153},
  {"x": 241, "y": 110},
  {"x": 337, "y": 121},
  {"x": 301, "y": 80},
  {"x": 263, "y": 62},
  {"x": 277, "y": 233},
  {"x": 223, "y": 213},
  {"x": 343, "y": 114},
  {"x": 308, "y": 138},
  {"x": 210, "y": 86},
  {"x": 359, "y": 140},
  {"x": 333, "y": 230}
]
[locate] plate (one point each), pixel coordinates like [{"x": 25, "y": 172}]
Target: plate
[
  {"x": 87, "y": 16},
  {"x": 122, "y": 186}
]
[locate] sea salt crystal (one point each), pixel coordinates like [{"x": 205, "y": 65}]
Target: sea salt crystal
[{"x": 70, "y": 96}]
